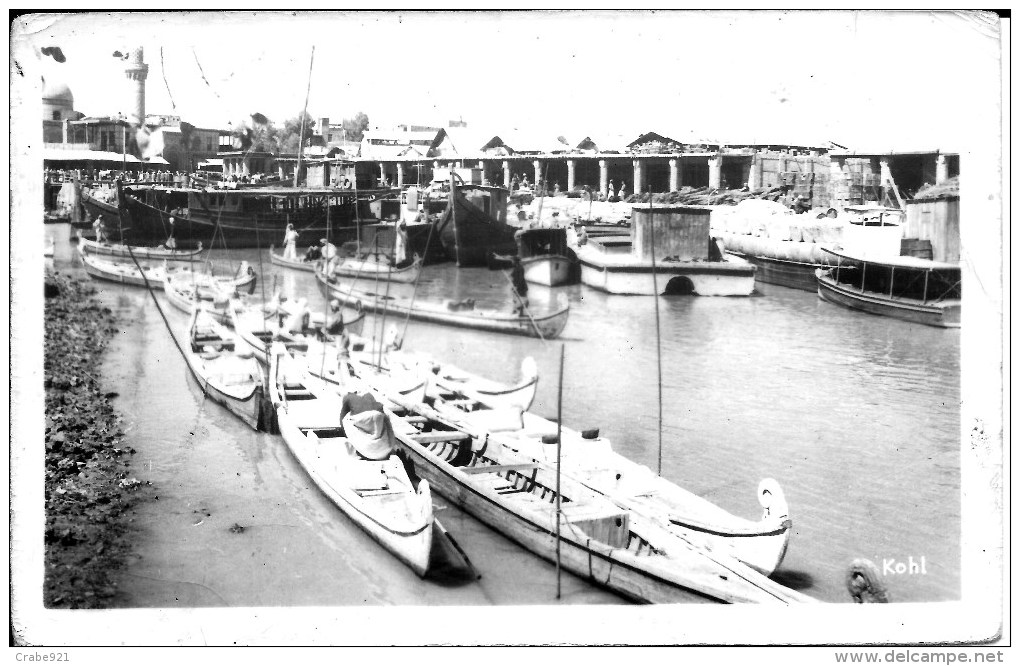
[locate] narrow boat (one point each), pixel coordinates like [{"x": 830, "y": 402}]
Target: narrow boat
[
  {"x": 342, "y": 377},
  {"x": 122, "y": 251},
  {"x": 376, "y": 494},
  {"x": 544, "y": 255},
  {"x": 128, "y": 273},
  {"x": 598, "y": 540},
  {"x": 374, "y": 269},
  {"x": 299, "y": 263},
  {"x": 185, "y": 292},
  {"x": 260, "y": 327},
  {"x": 455, "y": 386},
  {"x": 590, "y": 460},
  {"x": 225, "y": 368},
  {"x": 112, "y": 271},
  {"x": 474, "y": 224},
  {"x": 464, "y": 315},
  {"x": 669, "y": 251},
  {"x": 917, "y": 290}
]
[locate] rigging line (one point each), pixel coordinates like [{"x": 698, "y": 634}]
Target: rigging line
[
  {"x": 202, "y": 72},
  {"x": 162, "y": 67},
  {"x": 148, "y": 287},
  {"x": 526, "y": 309},
  {"x": 325, "y": 312},
  {"x": 421, "y": 269}
]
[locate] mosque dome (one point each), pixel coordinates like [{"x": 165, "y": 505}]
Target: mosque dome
[{"x": 57, "y": 93}]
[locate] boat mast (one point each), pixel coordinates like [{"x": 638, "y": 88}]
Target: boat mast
[
  {"x": 559, "y": 450},
  {"x": 453, "y": 214},
  {"x": 658, "y": 335},
  {"x": 301, "y": 131}
]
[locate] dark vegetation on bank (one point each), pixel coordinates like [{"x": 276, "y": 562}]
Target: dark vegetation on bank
[{"x": 89, "y": 493}]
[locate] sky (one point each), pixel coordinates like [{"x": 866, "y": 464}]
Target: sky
[{"x": 863, "y": 79}]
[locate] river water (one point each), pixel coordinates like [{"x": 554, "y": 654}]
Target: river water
[{"x": 856, "y": 416}]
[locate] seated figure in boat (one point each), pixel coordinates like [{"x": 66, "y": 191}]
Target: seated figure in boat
[
  {"x": 298, "y": 319},
  {"x": 313, "y": 253},
  {"x": 170, "y": 243},
  {"x": 366, "y": 425}
]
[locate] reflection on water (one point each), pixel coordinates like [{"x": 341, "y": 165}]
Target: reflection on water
[{"x": 856, "y": 416}]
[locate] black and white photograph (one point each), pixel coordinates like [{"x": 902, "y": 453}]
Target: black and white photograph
[{"x": 520, "y": 327}]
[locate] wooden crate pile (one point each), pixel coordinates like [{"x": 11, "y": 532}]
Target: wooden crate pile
[{"x": 861, "y": 182}]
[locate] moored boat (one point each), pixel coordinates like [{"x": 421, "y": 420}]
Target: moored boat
[
  {"x": 452, "y": 385},
  {"x": 669, "y": 251},
  {"x": 260, "y": 327},
  {"x": 544, "y": 255},
  {"x": 121, "y": 251},
  {"x": 153, "y": 274},
  {"x": 103, "y": 201},
  {"x": 591, "y": 461},
  {"x": 255, "y": 217},
  {"x": 374, "y": 269},
  {"x": 917, "y": 290},
  {"x": 298, "y": 263},
  {"x": 546, "y": 326},
  {"x": 199, "y": 291},
  {"x": 225, "y": 368},
  {"x": 474, "y": 224},
  {"x": 376, "y": 494},
  {"x": 598, "y": 540}
]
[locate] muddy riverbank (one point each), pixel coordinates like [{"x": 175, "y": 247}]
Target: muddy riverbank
[{"x": 89, "y": 490}]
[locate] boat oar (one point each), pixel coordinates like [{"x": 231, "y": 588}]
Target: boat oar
[{"x": 453, "y": 542}]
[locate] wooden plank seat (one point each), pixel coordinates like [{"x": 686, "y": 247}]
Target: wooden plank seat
[
  {"x": 496, "y": 469},
  {"x": 440, "y": 436}
]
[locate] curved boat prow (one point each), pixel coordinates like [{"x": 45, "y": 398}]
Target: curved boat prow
[
  {"x": 773, "y": 501},
  {"x": 529, "y": 370}
]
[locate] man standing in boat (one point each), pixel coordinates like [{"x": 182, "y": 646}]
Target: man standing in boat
[
  {"x": 519, "y": 286},
  {"x": 290, "y": 243},
  {"x": 100, "y": 229},
  {"x": 400, "y": 245}
]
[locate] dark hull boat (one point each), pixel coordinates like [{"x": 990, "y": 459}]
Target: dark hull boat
[
  {"x": 256, "y": 217},
  {"x": 474, "y": 225}
]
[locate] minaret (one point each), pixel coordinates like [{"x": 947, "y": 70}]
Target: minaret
[{"x": 136, "y": 71}]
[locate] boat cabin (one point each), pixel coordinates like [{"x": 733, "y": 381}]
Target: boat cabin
[
  {"x": 542, "y": 242},
  {"x": 680, "y": 233}
]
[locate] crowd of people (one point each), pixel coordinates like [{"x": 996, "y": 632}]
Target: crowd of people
[{"x": 166, "y": 177}]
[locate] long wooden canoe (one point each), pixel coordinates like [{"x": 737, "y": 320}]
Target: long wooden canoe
[
  {"x": 614, "y": 547},
  {"x": 260, "y": 329},
  {"x": 590, "y": 460},
  {"x": 545, "y": 326},
  {"x": 376, "y": 494},
  {"x": 225, "y": 368},
  {"x": 140, "y": 252},
  {"x": 297, "y": 264},
  {"x": 128, "y": 273},
  {"x": 206, "y": 293}
]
